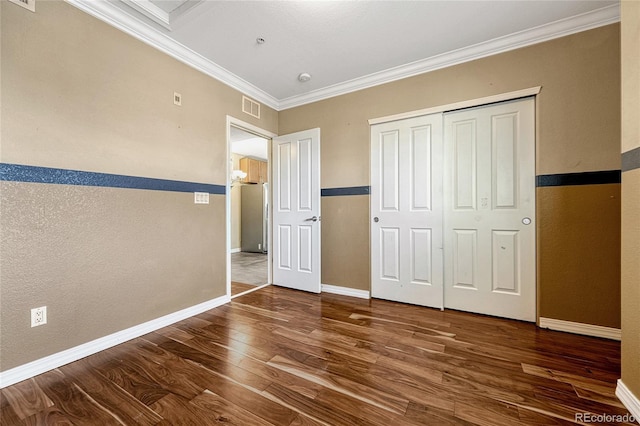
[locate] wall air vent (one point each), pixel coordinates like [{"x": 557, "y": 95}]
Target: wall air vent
[
  {"x": 27, "y": 4},
  {"x": 250, "y": 107}
]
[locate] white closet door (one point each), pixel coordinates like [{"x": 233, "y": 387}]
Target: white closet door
[
  {"x": 406, "y": 211},
  {"x": 489, "y": 211}
]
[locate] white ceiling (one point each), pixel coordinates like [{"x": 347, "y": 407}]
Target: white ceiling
[
  {"x": 344, "y": 45},
  {"x": 247, "y": 144}
]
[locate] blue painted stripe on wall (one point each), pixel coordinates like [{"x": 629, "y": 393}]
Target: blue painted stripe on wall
[
  {"x": 585, "y": 178},
  {"x": 22, "y": 173},
  {"x": 352, "y": 190}
]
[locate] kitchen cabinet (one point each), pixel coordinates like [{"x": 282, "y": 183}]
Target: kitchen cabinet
[
  {"x": 264, "y": 172},
  {"x": 256, "y": 170}
]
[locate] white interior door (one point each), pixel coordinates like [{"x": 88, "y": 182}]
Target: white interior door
[
  {"x": 490, "y": 210},
  {"x": 406, "y": 210},
  {"x": 295, "y": 186}
]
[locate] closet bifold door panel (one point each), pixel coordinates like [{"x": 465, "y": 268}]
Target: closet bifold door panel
[
  {"x": 406, "y": 211},
  {"x": 489, "y": 210}
]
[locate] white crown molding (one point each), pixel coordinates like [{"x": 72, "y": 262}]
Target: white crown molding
[
  {"x": 561, "y": 28},
  {"x": 31, "y": 369},
  {"x": 580, "y": 328},
  {"x": 111, "y": 14},
  {"x": 151, "y": 11},
  {"x": 345, "y": 291},
  {"x": 116, "y": 17},
  {"x": 628, "y": 399}
]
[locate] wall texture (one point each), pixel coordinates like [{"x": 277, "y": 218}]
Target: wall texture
[
  {"x": 578, "y": 130},
  {"x": 84, "y": 96},
  {"x": 631, "y": 196}
]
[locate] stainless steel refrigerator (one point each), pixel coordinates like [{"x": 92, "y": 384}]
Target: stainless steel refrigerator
[{"x": 254, "y": 217}]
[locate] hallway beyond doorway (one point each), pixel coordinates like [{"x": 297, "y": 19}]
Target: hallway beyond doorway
[{"x": 249, "y": 268}]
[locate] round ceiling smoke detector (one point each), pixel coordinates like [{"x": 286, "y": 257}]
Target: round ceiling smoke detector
[
  {"x": 260, "y": 40},
  {"x": 304, "y": 77}
]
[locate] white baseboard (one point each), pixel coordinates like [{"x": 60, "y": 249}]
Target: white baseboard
[
  {"x": 629, "y": 400},
  {"x": 39, "y": 366},
  {"x": 346, "y": 291},
  {"x": 580, "y": 328},
  {"x": 236, "y": 250}
]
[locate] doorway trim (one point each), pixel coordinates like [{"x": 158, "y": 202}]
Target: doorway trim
[
  {"x": 508, "y": 96},
  {"x": 243, "y": 125}
]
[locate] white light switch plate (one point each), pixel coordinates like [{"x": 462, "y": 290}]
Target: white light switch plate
[{"x": 201, "y": 197}]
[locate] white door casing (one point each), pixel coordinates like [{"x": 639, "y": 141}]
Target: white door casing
[
  {"x": 406, "y": 211},
  {"x": 295, "y": 187},
  {"x": 489, "y": 210}
]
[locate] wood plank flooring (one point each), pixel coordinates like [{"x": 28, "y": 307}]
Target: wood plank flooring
[
  {"x": 281, "y": 357},
  {"x": 237, "y": 288}
]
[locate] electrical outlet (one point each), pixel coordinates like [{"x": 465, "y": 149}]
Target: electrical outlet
[
  {"x": 177, "y": 99},
  {"x": 259, "y": 246},
  {"x": 38, "y": 316}
]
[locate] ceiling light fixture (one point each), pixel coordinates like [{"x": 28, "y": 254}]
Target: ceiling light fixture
[
  {"x": 304, "y": 77},
  {"x": 260, "y": 40}
]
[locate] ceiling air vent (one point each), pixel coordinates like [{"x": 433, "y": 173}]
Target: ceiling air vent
[
  {"x": 27, "y": 4},
  {"x": 250, "y": 107}
]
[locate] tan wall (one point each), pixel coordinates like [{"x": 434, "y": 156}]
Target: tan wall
[
  {"x": 85, "y": 96},
  {"x": 631, "y": 280},
  {"x": 631, "y": 198},
  {"x": 236, "y": 207},
  {"x": 344, "y": 232},
  {"x": 578, "y": 129},
  {"x": 101, "y": 261},
  {"x": 570, "y": 218}
]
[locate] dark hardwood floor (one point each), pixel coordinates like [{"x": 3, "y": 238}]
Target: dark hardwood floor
[
  {"x": 281, "y": 357},
  {"x": 238, "y": 288}
]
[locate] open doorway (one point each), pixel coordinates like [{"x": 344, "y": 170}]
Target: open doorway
[{"x": 249, "y": 212}]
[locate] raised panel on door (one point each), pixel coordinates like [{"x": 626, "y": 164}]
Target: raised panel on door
[
  {"x": 421, "y": 168},
  {"x": 390, "y": 253},
  {"x": 305, "y": 179},
  {"x": 283, "y": 175},
  {"x": 421, "y": 256},
  {"x": 464, "y": 164},
  {"x": 504, "y": 147},
  {"x": 284, "y": 247},
  {"x": 390, "y": 170},
  {"x": 465, "y": 258},
  {"x": 506, "y": 256},
  {"x": 406, "y": 209},
  {"x": 489, "y": 191},
  {"x": 305, "y": 248}
]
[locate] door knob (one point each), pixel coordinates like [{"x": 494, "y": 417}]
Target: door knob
[
  {"x": 312, "y": 219},
  {"x": 376, "y": 220},
  {"x": 526, "y": 221}
]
